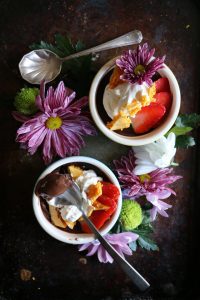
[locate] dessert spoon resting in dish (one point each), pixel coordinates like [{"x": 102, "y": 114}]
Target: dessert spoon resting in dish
[{"x": 73, "y": 195}]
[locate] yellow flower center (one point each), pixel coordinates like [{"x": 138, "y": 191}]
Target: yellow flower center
[
  {"x": 53, "y": 123},
  {"x": 144, "y": 177},
  {"x": 139, "y": 69}
]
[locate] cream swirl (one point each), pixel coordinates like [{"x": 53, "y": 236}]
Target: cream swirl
[{"x": 122, "y": 95}]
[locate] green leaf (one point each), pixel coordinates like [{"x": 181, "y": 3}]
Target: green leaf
[
  {"x": 44, "y": 45},
  {"x": 184, "y": 141},
  {"x": 116, "y": 228},
  {"x": 147, "y": 243},
  {"x": 79, "y": 46},
  {"x": 144, "y": 230},
  {"x": 180, "y": 130},
  {"x": 133, "y": 246},
  {"x": 188, "y": 120},
  {"x": 146, "y": 218}
]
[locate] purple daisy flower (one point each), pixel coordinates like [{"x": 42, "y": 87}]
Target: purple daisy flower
[
  {"x": 59, "y": 125},
  {"x": 119, "y": 241},
  {"x": 139, "y": 65},
  {"x": 158, "y": 205},
  {"x": 153, "y": 185},
  {"x": 141, "y": 185}
]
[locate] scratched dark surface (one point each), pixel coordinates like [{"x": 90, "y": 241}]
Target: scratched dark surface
[{"x": 56, "y": 269}]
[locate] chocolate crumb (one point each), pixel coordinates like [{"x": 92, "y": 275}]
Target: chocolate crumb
[
  {"x": 83, "y": 260},
  {"x": 25, "y": 274}
]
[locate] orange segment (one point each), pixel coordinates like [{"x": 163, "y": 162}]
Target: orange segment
[
  {"x": 94, "y": 191},
  {"x": 99, "y": 206},
  {"x": 115, "y": 78},
  {"x": 56, "y": 217},
  {"x": 119, "y": 122},
  {"x": 75, "y": 171},
  {"x": 70, "y": 224}
]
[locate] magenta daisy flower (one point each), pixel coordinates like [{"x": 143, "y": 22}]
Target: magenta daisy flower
[
  {"x": 138, "y": 65},
  {"x": 141, "y": 185},
  {"x": 119, "y": 241},
  {"x": 58, "y": 126}
]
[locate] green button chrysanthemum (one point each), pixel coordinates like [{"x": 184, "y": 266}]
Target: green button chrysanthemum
[
  {"x": 131, "y": 215},
  {"x": 25, "y": 101}
]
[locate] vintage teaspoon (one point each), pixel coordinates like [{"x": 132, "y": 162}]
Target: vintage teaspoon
[
  {"x": 73, "y": 196},
  {"x": 43, "y": 64}
]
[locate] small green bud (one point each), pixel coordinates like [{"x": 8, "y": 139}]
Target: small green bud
[
  {"x": 131, "y": 214},
  {"x": 25, "y": 101}
]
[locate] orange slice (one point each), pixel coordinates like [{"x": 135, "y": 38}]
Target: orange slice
[
  {"x": 115, "y": 78},
  {"x": 119, "y": 122},
  {"x": 56, "y": 217},
  {"x": 75, "y": 171},
  {"x": 94, "y": 191}
]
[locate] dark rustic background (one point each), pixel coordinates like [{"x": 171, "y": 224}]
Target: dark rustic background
[{"x": 55, "y": 271}]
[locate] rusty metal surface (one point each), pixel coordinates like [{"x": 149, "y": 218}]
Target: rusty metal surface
[{"x": 57, "y": 270}]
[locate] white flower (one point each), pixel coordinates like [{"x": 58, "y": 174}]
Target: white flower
[{"x": 156, "y": 155}]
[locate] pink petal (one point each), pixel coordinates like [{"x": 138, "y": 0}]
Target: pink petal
[
  {"x": 20, "y": 117},
  {"x": 57, "y": 143},
  {"x": 92, "y": 249},
  {"x": 39, "y": 103},
  {"x": 84, "y": 246},
  {"x": 47, "y": 150},
  {"x": 37, "y": 138},
  {"x": 103, "y": 255}
]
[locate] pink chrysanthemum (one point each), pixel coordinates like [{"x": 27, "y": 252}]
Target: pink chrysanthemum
[
  {"x": 58, "y": 126},
  {"x": 141, "y": 185},
  {"x": 153, "y": 185},
  {"x": 139, "y": 65},
  {"x": 119, "y": 241}
]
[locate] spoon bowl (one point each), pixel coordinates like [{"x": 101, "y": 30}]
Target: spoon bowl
[{"x": 38, "y": 65}]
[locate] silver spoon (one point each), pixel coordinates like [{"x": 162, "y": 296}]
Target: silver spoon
[
  {"x": 73, "y": 196},
  {"x": 43, "y": 64}
]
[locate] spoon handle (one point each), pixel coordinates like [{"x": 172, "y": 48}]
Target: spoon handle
[
  {"x": 130, "y": 38},
  {"x": 137, "y": 279}
]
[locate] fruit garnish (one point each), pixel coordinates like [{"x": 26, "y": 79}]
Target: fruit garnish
[
  {"x": 110, "y": 190},
  {"x": 99, "y": 217},
  {"x": 119, "y": 122},
  {"x": 70, "y": 224},
  {"x": 132, "y": 108},
  {"x": 99, "y": 206},
  {"x": 148, "y": 117},
  {"x": 75, "y": 171},
  {"x": 110, "y": 202},
  {"x": 162, "y": 85},
  {"x": 56, "y": 217},
  {"x": 165, "y": 99},
  {"x": 94, "y": 191},
  {"x": 115, "y": 78}
]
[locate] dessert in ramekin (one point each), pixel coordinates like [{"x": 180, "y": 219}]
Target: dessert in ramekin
[
  {"x": 99, "y": 187},
  {"x": 135, "y": 98}
]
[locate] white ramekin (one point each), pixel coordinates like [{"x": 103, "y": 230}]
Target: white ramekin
[
  {"x": 75, "y": 238},
  {"x": 143, "y": 139}
]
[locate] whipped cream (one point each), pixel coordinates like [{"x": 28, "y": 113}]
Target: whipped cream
[
  {"x": 70, "y": 212},
  {"x": 122, "y": 95}
]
